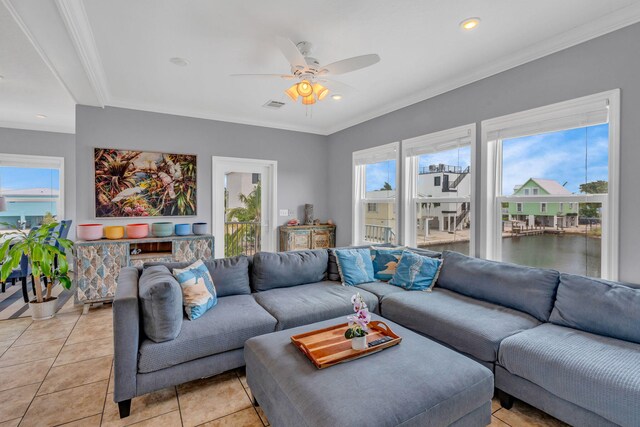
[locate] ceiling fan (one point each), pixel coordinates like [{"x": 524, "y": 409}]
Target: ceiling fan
[{"x": 313, "y": 82}]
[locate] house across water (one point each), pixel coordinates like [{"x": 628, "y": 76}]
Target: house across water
[{"x": 543, "y": 213}]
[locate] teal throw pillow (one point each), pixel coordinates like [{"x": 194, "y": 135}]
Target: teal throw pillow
[
  {"x": 416, "y": 272},
  {"x": 354, "y": 265},
  {"x": 385, "y": 261},
  {"x": 198, "y": 290}
]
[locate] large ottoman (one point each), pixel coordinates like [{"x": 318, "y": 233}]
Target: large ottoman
[{"x": 416, "y": 383}]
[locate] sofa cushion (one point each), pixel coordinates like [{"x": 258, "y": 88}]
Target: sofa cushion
[
  {"x": 380, "y": 289},
  {"x": 198, "y": 291},
  {"x": 598, "y": 306},
  {"x": 234, "y": 320},
  {"x": 416, "y": 272},
  {"x": 284, "y": 269},
  {"x": 385, "y": 261},
  {"x": 334, "y": 274},
  {"x": 355, "y": 266},
  {"x": 231, "y": 275},
  {"x": 312, "y": 303},
  {"x": 468, "y": 325},
  {"x": 527, "y": 289},
  {"x": 591, "y": 371},
  {"x": 161, "y": 304}
]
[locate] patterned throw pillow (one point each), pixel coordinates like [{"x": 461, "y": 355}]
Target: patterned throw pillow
[
  {"x": 385, "y": 261},
  {"x": 198, "y": 291},
  {"x": 354, "y": 265},
  {"x": 416, "y": 272}
]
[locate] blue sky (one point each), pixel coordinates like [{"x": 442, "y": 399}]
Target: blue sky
[
  {"x": 379, "y": 173},
  {"x": 22, "y": 178},
  {"x": 573, "y": 156}
]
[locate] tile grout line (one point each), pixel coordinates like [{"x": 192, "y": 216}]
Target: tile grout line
[
  {"x": 250, "y": 400},
  {"x": 83, "y": 360},
  {"x": 498, "y": 418},
  {"x": 79, "y": 419},
  {"x": 106, "y": 394},
  {"x": 175, "y": 388},
  {"x": 48, "y": 371}
]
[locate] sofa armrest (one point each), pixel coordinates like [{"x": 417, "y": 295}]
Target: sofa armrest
[{"x": 126, "y": 334}]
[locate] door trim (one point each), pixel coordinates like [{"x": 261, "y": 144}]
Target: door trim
[{"x": 217, "y": 201}]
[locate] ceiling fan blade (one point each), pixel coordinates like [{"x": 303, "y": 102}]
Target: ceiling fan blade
[
  {"x": 291, "y": 52},
  {"x": 337, "y": 87},
  {"x": 266, "y": 76},
  {"x": 351, "y": 64}
]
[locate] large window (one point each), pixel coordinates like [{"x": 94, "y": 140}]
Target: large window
[
  {"x": 438, "y": 201},
  {"x": 375, "y": 176},
  {"x": 33, "y": 190},
  {"x": 552, "y": 185}
]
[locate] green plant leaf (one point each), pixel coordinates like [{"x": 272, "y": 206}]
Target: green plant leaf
[
  {"x": 4, "y": 249},
  {"x": 63, "y": 265},
  {"x": 65, "y": 281},
  {"x": 37, "y": 253}
]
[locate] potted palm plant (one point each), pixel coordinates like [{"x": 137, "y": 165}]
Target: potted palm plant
[{"x": 40, "y": 246}]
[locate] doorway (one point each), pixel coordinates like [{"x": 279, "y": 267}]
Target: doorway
[{"x": 244, "y": 206}]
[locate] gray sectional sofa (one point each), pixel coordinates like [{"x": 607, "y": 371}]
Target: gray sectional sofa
[{"x": 569, "y": 345}]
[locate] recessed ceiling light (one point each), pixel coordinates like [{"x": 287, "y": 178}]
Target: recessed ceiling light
[
  {"x": 180, "y": 62},
  {"x": 470, "y": 24},
  {"x": 336, "y": 97},
  {"x": 41, "y": 116}
]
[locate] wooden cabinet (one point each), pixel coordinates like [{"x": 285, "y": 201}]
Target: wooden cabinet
[
  {"x": 299, "y": 237},
  {"x": 99, "y": 262}
]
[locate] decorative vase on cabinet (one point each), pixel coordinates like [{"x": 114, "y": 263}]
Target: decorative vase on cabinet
[{"x": 299, "y": 237}]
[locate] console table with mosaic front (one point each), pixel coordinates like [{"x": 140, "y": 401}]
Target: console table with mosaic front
[
  {"x": 99, "y": 262},
  {"x": 299, "y": 237}
]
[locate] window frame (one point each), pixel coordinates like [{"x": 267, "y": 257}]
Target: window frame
[
  {"x": 360, "y": 159},
  {"x": 436, "y": 141},
  {"x": 542, "y": 120},
  {"x": 39, "y": 162}
]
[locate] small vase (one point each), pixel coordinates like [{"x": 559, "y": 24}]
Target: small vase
[
  {"x": 359, "y": 343},
  {"x": 308, "y": 214}
]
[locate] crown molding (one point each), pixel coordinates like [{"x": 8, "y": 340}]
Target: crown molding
[
  {"x": 25, "y": 29},
  {"x": 604, "y": 25},
  {"x": 76, "y": 21},
  {"x": 163, "y": 109},
  {"x": 38, "y": 127}
]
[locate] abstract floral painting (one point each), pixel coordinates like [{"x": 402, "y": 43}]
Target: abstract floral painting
[{"x": 141, "y": 183}]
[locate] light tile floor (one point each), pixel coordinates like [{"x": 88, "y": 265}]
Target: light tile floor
[{"x": 59, "y": 372}]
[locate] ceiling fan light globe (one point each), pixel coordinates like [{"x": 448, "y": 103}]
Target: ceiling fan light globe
[
  {"x": 309, "y": 100},
  {"x": 292, "y": 92},
  {"x": 305, "y": 89},
  {"x": 320, "y": 91}
]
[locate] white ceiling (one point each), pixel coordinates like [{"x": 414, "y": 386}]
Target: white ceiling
[
  {"x": 29, "y": 87},
  {"x": 117, "y": 53}
]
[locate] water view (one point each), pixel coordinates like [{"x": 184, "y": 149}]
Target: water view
[{"x": 567, "y": 253}]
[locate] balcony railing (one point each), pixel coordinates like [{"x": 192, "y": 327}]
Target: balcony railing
[
  {"x": 379, "y": 234},
  {"x": 442, "y": 168},
  {"x": 241, "y": 238}
]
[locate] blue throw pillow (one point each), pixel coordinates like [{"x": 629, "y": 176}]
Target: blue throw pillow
[
  {"x": 385, "y": 261},
  {"x": 198, "y": 290},
  {"x": 355, "y": 266},
  {"x": 416, "y": 272}
]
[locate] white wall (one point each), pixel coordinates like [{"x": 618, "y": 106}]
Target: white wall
[{"x": 608, "y": 62}]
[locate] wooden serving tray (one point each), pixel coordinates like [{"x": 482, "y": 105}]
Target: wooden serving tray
[{"x": 327, "y": 347}]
